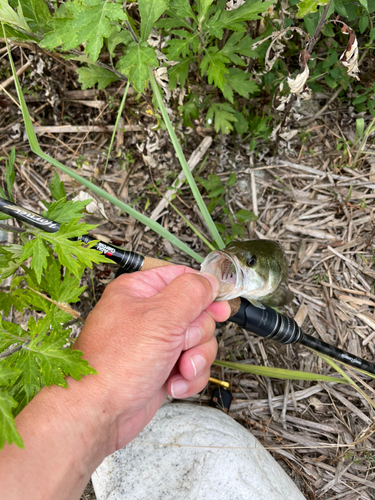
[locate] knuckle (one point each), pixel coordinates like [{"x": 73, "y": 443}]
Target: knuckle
[{"x": 195, "y": 286}]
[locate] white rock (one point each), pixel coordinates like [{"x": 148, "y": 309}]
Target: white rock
[{"x": 204, "y": 454}]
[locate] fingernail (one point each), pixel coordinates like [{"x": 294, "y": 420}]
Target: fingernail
[
  {"x": 192, "y": 337},
  {"x": 198, "y": 363},
  {"x": 178, "y": 388},
  {"x": 214, "y": 282}
]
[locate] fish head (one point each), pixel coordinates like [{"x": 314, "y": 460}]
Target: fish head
[{"x": 250, "y": 269}]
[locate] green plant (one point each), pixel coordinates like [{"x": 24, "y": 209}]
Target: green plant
[{"x": 40, "y": 275}]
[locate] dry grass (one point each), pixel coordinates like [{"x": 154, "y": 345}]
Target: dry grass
[{"x": 307, "y": 196}]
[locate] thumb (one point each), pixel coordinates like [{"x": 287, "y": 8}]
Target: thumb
[{"x": 187, "y": 296}]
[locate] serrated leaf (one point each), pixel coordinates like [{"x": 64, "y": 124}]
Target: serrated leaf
[
  {"x": 9, "y": 260},
  {"x": 179, "y": 73},
  {"x": 91, "y": 75},
  {"x": 239, "y": 81},
  {"x": 214, "y": 63},
  {"x": 115, "y": 38},
  {"x": 249, "y": 11},
  {"x": 182, "y": 8},
  {"x": 64, "y": 211},
  {"x": 172, "y": 21},
  {"x": 88, "y": 24},
  {"x": 9, "y": 172},
  {"x": 135, "y": 64},
  {"x": 61, "y": 289},
  {"x": 10, "y": 333},
  {"x": 72, "y": 254},
  {"x": 239, "y": 44},
  {"x": 181, "y": 46},
  {"x": 306, "y": 7},
  {"x": 8, "y": 374},
  {"x": 57, "y": 188},
  {"x": 37, "y": 249},
  {"x": 44, "y": 360},
  {"x": 150, "y": 11},
  {"x": 8, "y": 428},
  {"x": 223, "y": 117}
]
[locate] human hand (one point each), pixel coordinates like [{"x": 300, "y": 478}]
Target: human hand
[{"x": 134, "y": 338}]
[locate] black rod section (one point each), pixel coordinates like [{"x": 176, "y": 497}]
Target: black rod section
[
  {"x": 270, "y": 324},
  {"x": 127, "y": 260}
]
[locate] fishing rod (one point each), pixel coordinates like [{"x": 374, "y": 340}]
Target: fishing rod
[{"x": 266, "y": 322}]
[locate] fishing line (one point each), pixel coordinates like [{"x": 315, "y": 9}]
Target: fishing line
[{"x": 266, "y": 322}]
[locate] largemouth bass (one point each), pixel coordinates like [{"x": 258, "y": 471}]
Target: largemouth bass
[{"x": 256, "y": 270}]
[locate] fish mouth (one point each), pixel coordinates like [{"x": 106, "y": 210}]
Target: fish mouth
[{"x": 228, "y": 271}]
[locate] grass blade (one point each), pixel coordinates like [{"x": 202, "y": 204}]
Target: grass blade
[
  {"x": 34, "y": 145},
  {"x": 185, "y": 167},
  {"x": 349, "y": 380},
  {"x": 280, "y": 373},
  {"x": 115, "y": 129}
]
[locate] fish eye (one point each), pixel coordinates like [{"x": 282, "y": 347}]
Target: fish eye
[{"x": 250, "y": 261}]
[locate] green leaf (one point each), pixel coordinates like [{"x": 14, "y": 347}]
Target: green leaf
[
  {"x": 135, "y": 64},
  {"x": 339, "y": 8},
  {"x": 64, "y": 211},
  {"x": 10, "y": 16},
  {"x": 55, "y": 363},
  {"x": 181, "y": 46},
  {"x": 43, "y": 360},
  {"x": 363, "y": 23},
  {"x": 8, "y": 428},
  {"x": 115, "y": 38},
  {"x": 306, "y": 7},
  {"x": 232, "y": 179},
  {"x": 245, "y": 216},
  {"x": 72, "y": 254},
  {"x": 214, "y": 63},
  {"x": 203, "y": 6},
  {"x": 234, "y": 46},
  {"x": 37, "y": 249},
  {"x": 182, "y": 8},
  {"x": 173, "y": 21},
  {"x": 9, "y": 172},
  {"x": 38, "y": 15},
  {"x": 8, "y": 375},
  {"x": 60, "y": 289},
  {"x": 179, "y": 73},
  {"x": 11, "y": 334},
  {"x": 9, "y": 260},
  {"x": 223, "y": 116},
  {"x": 90, "y": 75},
  {"x": 364, "y": 4},
  {"x": 241, "y": 125},
  {"x": 89, "y": 24},
  {"x": 57, "y": 188},
  {"x": 150, "y": 11},
  {"x": 239, "y": 81},
  {"x": 249, "y": 11}
]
